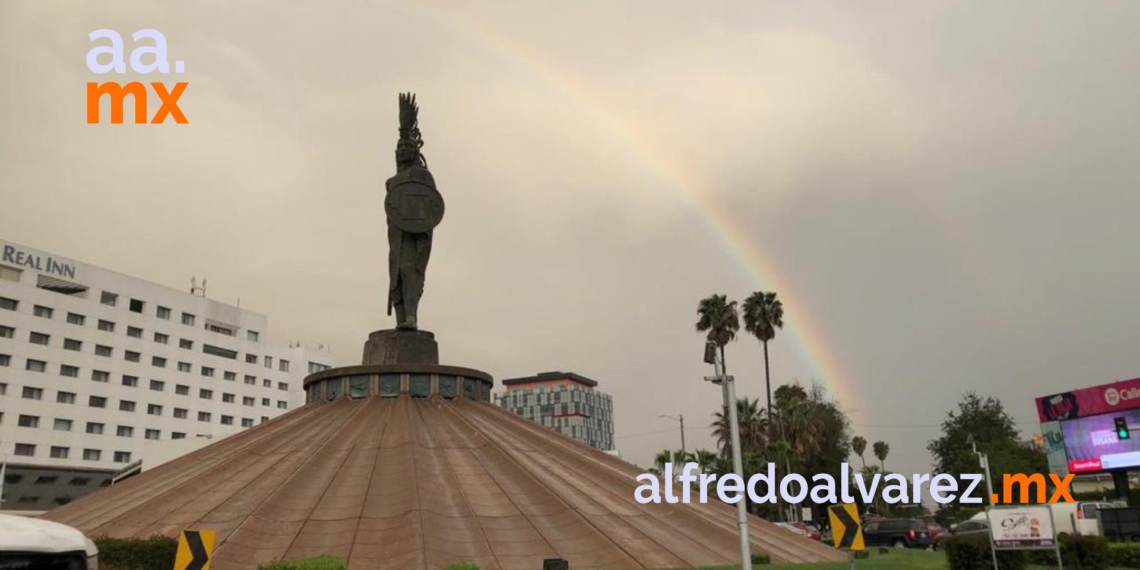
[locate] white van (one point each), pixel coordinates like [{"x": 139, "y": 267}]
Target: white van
[{"x": 27, "y": 542}]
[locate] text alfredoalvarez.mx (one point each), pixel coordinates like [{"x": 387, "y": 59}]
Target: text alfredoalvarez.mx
[{"x": 138, "y": 91}]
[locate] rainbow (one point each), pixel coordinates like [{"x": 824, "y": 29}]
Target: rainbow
[{"x": 807, "y": 341}]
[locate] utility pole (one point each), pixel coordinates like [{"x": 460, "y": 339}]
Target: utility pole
[
  {"x": 984, "y": 462},
  {"x": 682, "y": 420},
  {"x": 728, "y": 390}
]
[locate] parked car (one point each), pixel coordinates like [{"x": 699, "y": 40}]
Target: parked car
[
  {"x": 812, "y": 532},
  {"x": 27, "y": 542},
  {"x": 966, "y": 528},
  {"x": 793, "y": 528},
  {"x": 900, "y": 533}
]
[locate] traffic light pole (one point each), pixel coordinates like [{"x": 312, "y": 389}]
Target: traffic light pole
[{"x": 728, "y": 390}]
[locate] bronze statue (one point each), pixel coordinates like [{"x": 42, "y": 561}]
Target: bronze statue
[{"x": 414, "y": 207}]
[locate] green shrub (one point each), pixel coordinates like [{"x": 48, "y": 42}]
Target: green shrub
[
  {"x": 973, "y": 553},
  {"x": 1124, "y": 555},
  {"x": 154, "y": 553},
  {"x": 318, "y": 563},
  {"x": 1077, "y": 553},
  {"x": 761, "y": 558},
  {"x": 462, "y": 565}
]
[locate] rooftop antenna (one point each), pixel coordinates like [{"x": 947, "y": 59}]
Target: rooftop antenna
[{"x": 195, "y": 289}]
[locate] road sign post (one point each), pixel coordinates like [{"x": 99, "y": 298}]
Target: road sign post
[{"x": 846, "y": 531}]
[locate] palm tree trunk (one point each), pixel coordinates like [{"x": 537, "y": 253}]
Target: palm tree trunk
[
  {"x": 767, "y": 381},
  {"x": 864, "y": 461}
]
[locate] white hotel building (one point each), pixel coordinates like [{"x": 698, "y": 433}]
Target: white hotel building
[{"x": 103, "y": 374}]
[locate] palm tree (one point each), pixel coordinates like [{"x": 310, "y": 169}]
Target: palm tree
[
  {"x": 707, "y": 460},
  {"x": 859, "y": 445},
  {"x": 717, "y": 316},
  {"x": 881, "y": 450},
  {"x": 751, "y": 422},
  {"x": 665, "y": 456},
  {"x": 763, "y": 314}
]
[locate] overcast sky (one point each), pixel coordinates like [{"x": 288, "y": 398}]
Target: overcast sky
[{"x": 947, "y": 191}]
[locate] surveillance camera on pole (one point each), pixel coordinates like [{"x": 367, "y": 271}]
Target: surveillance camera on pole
[{"x": 728, "y": 389}]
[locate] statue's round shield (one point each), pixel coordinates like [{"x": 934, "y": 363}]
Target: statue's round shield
[{"x": 414, "y": 207}]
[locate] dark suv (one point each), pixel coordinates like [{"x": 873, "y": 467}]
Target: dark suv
[{"x": 900, "y": 533}]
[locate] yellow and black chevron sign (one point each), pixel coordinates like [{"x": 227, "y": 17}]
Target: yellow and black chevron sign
[
  {"x": 194, "y": 550},
  {"x": 846, "y": 531}
]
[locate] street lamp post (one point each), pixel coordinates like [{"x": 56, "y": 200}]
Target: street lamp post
[
  {"x": 728, "y": 390},
  {"x": 682, "y": 420}
]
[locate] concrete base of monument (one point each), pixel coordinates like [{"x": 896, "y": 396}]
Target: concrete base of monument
[{"x": 394, "y": 346}]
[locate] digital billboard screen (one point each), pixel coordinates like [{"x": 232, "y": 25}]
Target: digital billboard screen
[{"x": 1091, "y": 443}]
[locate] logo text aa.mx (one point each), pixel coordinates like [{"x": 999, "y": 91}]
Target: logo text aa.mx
[{"x": 138, "y": 91}]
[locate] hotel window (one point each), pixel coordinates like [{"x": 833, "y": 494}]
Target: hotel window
[
  {"x": 126, "y": 406},
  {"x": 188, "y": 319},
  {"x": 207, "y": 372},
  {"x": 130, "y": 381},
  {"x": 125, "y": 431},
  {"x": 122, "y": 457},
  {"x": 59, "y": 452},
  {"x": 153, "y": 434},
  {"x": 251, "y": 380},
  {"x": 283, "y": 365},
  {"x": 219, "y": 351},
  {"x": 247, "y": 401},
  {"x": 91, "y": 454},
  {"x": 35, "y": 365},
  {"x": 282, "y": 404},
  {"x": 100, "y": 376},
  {"x": 134, "y": 332},
  {"x": 101, "y": 350},
  {"x": 42, "y": 311},
  {"x": 131, "y": 356},
  {"x": 266, "y": 383},
  {"x": 137, "y": 306},
  {"x": 184, "y": 367},
  {"x": 181, "y": 390},
  {"x": 68, "y": 371},
  {"x": 357, "y": 387},
  {"x": 28, "y": 421},
  {"x": 204, "y": 417},
  {"x": 252, "y": 336},
  {"x": 269, "y": 362},
  {"x": 95, "y": 428},
  {"x": 9, "y": 304},
  {"x": 251, "y": 359},
  {"x": 227, "y": 420},
  {"x": 247, "y": 422},
  {"x": 161, "y": 338},
  {"x": 7, "y": 332},
  {"x": 106, "y": 326},
  {"x": 180, "y": 413},
  {"x": 39, "y": 338},
  {"x": 61, "y": 424},
  {"x": 157, "y": 385},
  {"x": 10, "y": 273},
  {"x": 284, "y": 387},
  {"x": 227, "y": 398},
  {"x": 163, "y": 313},
  {"x": 158, "y": 362},
  {"x": 25, "y": 449},
  {"x": 447, "y": 386},
  {"x": 230, "y": 376},
  {"x": 72, "y": 344},
  {"x": 109, "y": 298},
  {"x": 265, "y": 402},
  {"x": 219, "y": 329},
  {"x": 153, "y": 410},
  {"x": 97, "y": 402},
  {"x": 76, "y": 319},
  {"x": 205, "y": 394},
  {"x": 65, "y": 398},
  {"x": 389, "y": 385},
  {"x": 177, "y": 435},
  {"x": 30, "y": 393},
  {"x": 186, "y": 343}
]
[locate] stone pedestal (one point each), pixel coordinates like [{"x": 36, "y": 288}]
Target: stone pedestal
[{"x": 392, "y": 346}]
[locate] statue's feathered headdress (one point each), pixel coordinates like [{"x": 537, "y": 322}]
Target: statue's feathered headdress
[{"x": 409, "y": 121}]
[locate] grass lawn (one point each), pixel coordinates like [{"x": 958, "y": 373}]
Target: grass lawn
[{"x": 895, "y": 559}]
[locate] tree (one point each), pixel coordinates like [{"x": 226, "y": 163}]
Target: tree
[
  {"x": 859, "y": 445},
  {"x": 763, "y": 314},
  {"x": 718, "y": 317},
  {"x": 751, "y": 422},
  {"x": 881, "y": 449},
  {"x": 708, "y": 461}
]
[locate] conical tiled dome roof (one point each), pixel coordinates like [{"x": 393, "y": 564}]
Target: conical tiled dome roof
[{"x": 408, "y": 483}]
